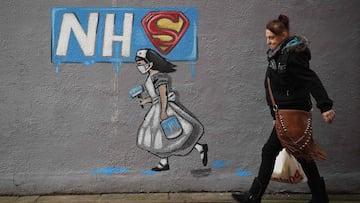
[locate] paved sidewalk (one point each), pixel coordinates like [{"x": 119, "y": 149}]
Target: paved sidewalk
[{"x": 168, "y": 198}]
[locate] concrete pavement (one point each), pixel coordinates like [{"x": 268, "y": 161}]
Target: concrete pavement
[{"x": 168, "y": 198}]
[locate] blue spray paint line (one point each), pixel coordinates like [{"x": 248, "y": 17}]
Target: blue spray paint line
[
  {"x": 86, "y": 64},
  {"x": 220, "y": 163},
  {"x": 132, "y": 119},
  {"x": 117, "y": 66},
  {"x": 131, "y": 112},
  {"x": 148, "y": 172},
  {"x": 132, "y": 116},
  {"x": 110, "y": 171},
  {"x": 57, "y": 68},
  {"x": 192, "y": 68},
  {"x": 243, "y": 173}
]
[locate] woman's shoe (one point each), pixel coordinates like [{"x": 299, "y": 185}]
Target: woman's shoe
[
  {"x": 253, "y": 196},
  {"x": 318, "y": 191},
  {"x": 204, "y": 152},
  {"x": 161, "y": 167},
  {"x": 245, "y": 198}
]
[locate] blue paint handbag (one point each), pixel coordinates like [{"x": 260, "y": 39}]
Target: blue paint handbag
[{"x": 171, "y": 127}]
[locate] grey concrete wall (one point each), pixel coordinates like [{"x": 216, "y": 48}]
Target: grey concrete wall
[{"x": 58, "y": 132}]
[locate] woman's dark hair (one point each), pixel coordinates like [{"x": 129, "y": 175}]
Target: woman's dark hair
[
  {"x": 159, "y": 62},
  {"x": 280, "y": 25}
]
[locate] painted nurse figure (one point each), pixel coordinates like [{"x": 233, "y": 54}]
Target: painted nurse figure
[{"x": 168, "y": 129}]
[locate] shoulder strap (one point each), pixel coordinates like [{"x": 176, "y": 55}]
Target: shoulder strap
[{"x": 271, "y": 94}]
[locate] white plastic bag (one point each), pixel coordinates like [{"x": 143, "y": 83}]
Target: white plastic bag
[{"x": 287, "y": 169}]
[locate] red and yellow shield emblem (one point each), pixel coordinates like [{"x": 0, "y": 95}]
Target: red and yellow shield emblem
[{"x": 165, "y": 29}]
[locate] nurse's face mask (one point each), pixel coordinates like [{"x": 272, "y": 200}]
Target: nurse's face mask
[{"x": 143, "y": 67}]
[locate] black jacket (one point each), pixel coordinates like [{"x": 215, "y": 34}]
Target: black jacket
[{"x": 292, "y": 80}]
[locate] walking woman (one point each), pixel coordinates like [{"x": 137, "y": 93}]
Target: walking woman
[
  {"x": 292, "y": 83},
  {"x": 185, "y": 130}
]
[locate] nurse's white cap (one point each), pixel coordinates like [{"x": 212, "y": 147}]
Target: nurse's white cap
[{"x": 142, "y": 53}]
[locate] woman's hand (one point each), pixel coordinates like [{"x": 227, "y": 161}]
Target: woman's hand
[
  {"x": 163, "y": 115},
  {"x": 163, "y": 101},
  {"x": 329, "y": 116}
]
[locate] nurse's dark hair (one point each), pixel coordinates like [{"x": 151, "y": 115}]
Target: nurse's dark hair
[
  {"x": 159, "y": 62},
  {"x": 279, "y": 25}
]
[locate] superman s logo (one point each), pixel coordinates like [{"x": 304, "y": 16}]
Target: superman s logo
[{"x": 165, "y": 29}]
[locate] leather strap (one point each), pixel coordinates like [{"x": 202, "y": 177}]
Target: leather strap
[{"x": 271, "y": 94}]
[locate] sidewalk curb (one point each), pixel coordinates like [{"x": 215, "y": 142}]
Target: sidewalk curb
[{"x": 169, "y": 198}]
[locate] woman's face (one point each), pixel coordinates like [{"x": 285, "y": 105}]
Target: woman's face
[
  {"x": 273, "y": 41},
  {"x": 140, "y": 62},
  {"x": 143, "y": 67}
]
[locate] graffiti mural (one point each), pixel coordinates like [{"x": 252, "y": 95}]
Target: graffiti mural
[
  {"x": 153, "y": 39},
  {"x": 113, "y": 35},
  {"x": 168, "y": 128},
  {"x": 118, "y": 35}
]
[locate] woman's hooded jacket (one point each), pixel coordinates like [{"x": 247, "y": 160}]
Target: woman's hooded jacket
[{"x": 292, "y": 80}]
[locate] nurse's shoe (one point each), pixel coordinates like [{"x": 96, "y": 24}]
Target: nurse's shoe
[
  {"x": 161, "y": 167},
  {"x": 204, "y": 154}
]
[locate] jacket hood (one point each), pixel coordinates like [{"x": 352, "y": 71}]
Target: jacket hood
[{"x": 295, "y": 43}]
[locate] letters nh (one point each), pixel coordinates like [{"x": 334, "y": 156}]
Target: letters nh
[{"x": 87, "y": 40}]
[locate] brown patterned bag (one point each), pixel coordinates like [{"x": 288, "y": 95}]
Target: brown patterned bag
[{"x": 294, "y": 130}]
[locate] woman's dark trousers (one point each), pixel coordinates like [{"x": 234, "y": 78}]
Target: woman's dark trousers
[{"x": 269, "y": 152}]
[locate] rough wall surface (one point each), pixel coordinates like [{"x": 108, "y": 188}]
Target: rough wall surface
[{"x": 58, "y": 130}]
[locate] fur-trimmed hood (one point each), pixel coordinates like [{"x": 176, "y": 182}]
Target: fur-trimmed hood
[{"x": 296, "y": 43}]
